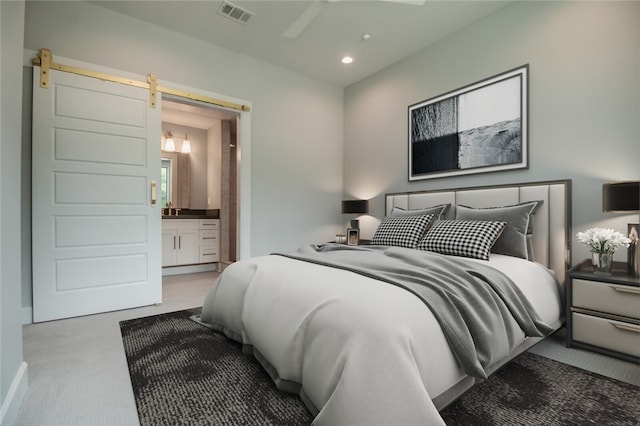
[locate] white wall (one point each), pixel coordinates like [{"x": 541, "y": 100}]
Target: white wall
[
  {"x": 296, "y": 122},
  {"x": 13, "y": 371},
  {"x": 584, "y": 104}
]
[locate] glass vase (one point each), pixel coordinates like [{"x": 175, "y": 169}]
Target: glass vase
[{"x": 602, "y": 262}]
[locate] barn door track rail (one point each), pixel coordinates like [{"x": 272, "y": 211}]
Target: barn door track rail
[{"x": 45, "y": 61}]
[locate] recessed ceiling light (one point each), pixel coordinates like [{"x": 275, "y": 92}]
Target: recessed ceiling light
[
  {"x": 347, "y": 60},
  {"x": 366, "y": 36}
]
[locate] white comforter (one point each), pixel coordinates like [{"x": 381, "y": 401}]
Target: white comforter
[{"x": 365, "y": 352}]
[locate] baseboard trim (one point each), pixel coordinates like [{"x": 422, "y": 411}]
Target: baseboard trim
[
  {"x": 11, "y": 404},
  {"x": 27, "y": 315},
  {"x": 189, "y": 269}
]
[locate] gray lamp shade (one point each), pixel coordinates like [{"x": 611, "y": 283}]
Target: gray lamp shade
[
  {"x": 355, "y": 206},
  {"x": 621, "y": 196}
]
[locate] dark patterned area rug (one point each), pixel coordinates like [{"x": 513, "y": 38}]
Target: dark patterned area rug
[
  {"x": 185, "y": 374},
  {"x": 534, "y": 390}
]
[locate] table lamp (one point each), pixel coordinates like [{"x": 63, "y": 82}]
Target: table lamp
[
  {"x": 624, "y": 197},
  {"x": 355, "y": 207}
]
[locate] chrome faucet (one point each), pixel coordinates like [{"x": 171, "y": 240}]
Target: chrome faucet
[{"x": 169, "y": 208}]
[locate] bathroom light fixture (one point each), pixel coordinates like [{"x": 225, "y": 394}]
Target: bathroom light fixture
[
  {"x": 186, "y": 145},
  {"x": 347, "y": 60},
  {"x": 169, "y": 143}
]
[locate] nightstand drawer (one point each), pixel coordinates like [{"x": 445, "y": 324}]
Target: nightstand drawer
[
  {"x": 614, "y": 335},
  {"x": 607, "y": 297}
]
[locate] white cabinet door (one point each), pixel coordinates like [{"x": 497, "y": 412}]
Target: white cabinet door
[
  {"x": 188, "y": 247},
  {"x": 169, "y": 247},
  {"x": 180, "y": 242},
  {"x": 96, "y": 234}
]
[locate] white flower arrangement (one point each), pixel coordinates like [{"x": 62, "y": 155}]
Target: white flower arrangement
[{"x": 603, "y": 240}]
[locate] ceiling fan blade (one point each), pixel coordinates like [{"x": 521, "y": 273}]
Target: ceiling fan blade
[{"x": 303, "y": 21}]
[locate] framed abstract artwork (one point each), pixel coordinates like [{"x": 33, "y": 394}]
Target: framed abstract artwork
[{"x": 479, "y": 128}]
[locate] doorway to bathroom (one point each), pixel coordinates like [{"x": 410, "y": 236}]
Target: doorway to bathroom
[{"x": 210, "y": 182}]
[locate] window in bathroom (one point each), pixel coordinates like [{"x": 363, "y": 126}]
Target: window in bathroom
[{"x": 165, "y": 179}]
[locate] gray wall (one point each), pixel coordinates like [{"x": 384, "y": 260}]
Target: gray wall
[
  {"x": 13, "y": 379},
  {"x": 584, "y": 104}
]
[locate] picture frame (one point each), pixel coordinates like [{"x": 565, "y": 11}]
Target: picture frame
[
  {"x": 479, "y": 128},
  {"x": 353, "y": 236}
]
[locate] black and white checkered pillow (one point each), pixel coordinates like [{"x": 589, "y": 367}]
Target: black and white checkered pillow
[
  {"x": 401, "y": 231},
  {"x": 468, "y": 238}
]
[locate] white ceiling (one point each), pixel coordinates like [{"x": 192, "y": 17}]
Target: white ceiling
[{"x": 335, "y": 29}]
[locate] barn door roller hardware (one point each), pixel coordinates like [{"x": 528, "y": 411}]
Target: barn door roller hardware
[{"x": 45, "y": 61}]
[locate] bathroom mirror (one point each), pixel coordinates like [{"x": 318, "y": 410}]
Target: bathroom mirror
[{"x": 174, "y": 179}]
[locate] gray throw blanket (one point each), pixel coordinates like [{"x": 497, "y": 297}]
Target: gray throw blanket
[{"x": 479, "y": 308}]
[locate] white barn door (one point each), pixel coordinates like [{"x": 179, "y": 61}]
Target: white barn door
[{"x": 96, "y": 233}]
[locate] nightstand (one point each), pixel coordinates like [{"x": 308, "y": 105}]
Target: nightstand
[
  {"x": 603, "y": 311},
  {"x": 361, "y": 242}
]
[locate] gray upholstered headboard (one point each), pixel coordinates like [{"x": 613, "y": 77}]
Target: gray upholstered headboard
[{"x": 552, "y": 220}]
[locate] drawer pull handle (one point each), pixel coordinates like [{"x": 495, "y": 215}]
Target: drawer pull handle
[
  {"x": 626, "y": 327},
  {"x": 629, "y": 290},
  {"x": 208, "y": 238}
]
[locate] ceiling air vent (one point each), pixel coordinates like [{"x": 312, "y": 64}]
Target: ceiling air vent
[{"x": 235, "y": 12}]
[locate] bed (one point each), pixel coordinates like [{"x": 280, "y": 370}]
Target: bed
[{"x": 359, "y": 332}]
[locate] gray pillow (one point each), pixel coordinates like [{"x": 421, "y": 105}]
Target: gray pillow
[
  {"x": 436, "y": 211},
  {"x": 516, "y": 237}
]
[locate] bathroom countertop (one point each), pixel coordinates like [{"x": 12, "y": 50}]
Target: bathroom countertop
[{"x": 194, "y": 214}]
